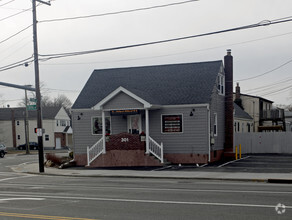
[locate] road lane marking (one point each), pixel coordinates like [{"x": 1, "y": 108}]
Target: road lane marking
[
  {"x": 32, "y": 186},
  {"x": 222, "y": 165},
  {"x": 46, "y": 217},
  {"x": 156, "y": 201},
  {"x": 16, "y": 199},
  {"x": 13, "y": 178}
]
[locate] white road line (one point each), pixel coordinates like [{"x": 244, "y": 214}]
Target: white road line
[
  {"x": 12, "y": 178},
  {"x": 16, "y": 199},
  {"x": 222, "y": 165},
  {"x": 148, "y": 189},
  {"x": 160, "y": 201}
]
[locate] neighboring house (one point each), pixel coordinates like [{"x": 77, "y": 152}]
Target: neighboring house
[
  {"x": 288, "y": 120},
  {"x": 139, "y": 116},
  {"x": 243, "y": 122},
  {"x": 265, "y": 117},
  {"x": 56, "y": 122}
]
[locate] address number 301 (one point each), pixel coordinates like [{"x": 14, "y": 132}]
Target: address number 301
[{"x": 125, "y": 140}]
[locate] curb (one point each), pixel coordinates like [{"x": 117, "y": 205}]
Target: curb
[{"x": 153, "y": 177}]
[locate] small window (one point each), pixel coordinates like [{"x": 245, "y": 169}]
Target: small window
[
  {"x": 171, "y": 123},
  {"x": 248, "y": 127},
  {"x": 215, "y": 125},
  {"x": 220, "y": 84},
  {"x": 57, "y": 123},
  {"x": 17, "y": 122},
  {"x": 47, "y": 137},
  {"x": 97, "y": 125},
  {"x": 63, "y": 123},
  {"x": 18, "y": 137}
]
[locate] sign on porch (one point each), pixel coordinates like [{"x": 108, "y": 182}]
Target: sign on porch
[{"x": 125, "y": 112}]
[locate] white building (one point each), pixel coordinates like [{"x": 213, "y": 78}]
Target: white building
[{"x": 56, "y": 122}]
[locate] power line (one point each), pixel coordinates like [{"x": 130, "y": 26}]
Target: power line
[
  {"x": 15, "y": 34},
  {"x": 7, "y": 3},
  {"x": 117, "y": 12},
  {"x": 61, "y": 55},
  {"x": 23, "y": 62},
  {"x": 269, "y": 86},
  {"x": 174, "y": 54},
  {"x": 284, "y": 64},
  {"x": 10, "y": 16}
]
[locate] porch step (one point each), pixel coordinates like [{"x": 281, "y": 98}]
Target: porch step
[{"x": 165, "y": 161}]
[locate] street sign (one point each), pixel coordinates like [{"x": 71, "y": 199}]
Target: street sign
[
  {"x": 31, "y": 107},
  {"x": 33, "y": 100}
]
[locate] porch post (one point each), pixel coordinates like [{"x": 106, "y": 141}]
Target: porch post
[
  {"x": 147, "y": 129},
  {"x": 103, "y": 130}
]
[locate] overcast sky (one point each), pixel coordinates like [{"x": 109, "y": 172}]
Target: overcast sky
[{"x": 255, "y": 51}]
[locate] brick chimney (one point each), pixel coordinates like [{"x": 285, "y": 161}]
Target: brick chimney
[
  {"x": 237, "y": 91},
  {"x": 238, "y": 100},
  {"x": 228, "y": 63}
]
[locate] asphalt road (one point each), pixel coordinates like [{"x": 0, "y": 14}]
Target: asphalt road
[{"x": 26, "y": 196}]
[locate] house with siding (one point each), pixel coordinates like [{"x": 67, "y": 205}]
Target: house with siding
[
  {"x": 56, "y": 122},
  {"x": 243, "y": 122},
  {"x": 265, "y": 116},
  {"x": 144, "y": 116}
]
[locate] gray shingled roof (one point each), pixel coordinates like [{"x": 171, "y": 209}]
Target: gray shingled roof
[
  {"x": 173, "y": 84},
  {"x": 240, "y": 113},
  {"x": 19, "y": 113}
]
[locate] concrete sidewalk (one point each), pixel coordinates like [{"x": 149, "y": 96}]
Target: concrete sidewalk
[{"x": 200, "y": 175}]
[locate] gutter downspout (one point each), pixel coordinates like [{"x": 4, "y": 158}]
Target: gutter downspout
[{"x": 209, "y": 133}]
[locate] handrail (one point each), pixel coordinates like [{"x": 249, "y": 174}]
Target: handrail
[
  {"x": 94, "y": 151},
  {"x": 156, "y": 149}
]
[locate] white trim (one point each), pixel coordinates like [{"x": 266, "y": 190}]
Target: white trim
[
  {"x": 147, "y": 129},
  {"x": 99, "y": 105},
  {"x": 209, "y": 134},
  {"x": 186, "y": 105},
  {"x": 103, "y": 130},
  {"x": 215, "y": 123},
  {"x": 182, "y": 123}
]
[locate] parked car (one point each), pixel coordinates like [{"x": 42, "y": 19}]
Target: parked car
[
  {"x": 2, "y": 150},
  {"x": 32, "y": 146}
]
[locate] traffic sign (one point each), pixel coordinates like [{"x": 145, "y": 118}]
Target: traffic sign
[
  {"x": 31, "y": 107},
  {"x": 33, "y": 100}
]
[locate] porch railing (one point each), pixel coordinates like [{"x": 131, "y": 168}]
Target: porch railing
[
  {"x": 156, "y": 149},
  {"x": 94, "y": 151}
]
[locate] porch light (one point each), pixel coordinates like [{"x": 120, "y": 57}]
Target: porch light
[{"x": 191, "y": 113}]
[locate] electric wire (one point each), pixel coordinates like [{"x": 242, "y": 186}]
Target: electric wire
[
  {"x": 173, "y": 54},
  {"x": 265, "y": 73},
  {"x": 10, "y": 16},
  {"x": 7, "y": 3},
  {"x": 268, "y": 87},
  {"x": 117, "y": 12},
  {"x": 8, "y": 38}
]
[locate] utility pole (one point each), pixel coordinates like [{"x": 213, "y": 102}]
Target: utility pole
[
  {"x": 37, "y": 87},
  {"x": 26, "y": 125}
]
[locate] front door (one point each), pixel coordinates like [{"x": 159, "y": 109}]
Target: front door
[
  {"x": 58, "y": 143},
  {"x": 134, "y": 124}
]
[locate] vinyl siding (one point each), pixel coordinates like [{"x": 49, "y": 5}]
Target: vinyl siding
[
  {"x": 218, "y": 106},
  {"x": 123, "y": 101},
  {"x": 82, "y": 128},
  {"x": 193, "y": 139}
]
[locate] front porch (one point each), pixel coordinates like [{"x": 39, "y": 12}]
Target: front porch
[{"x": 124, "y": 150}]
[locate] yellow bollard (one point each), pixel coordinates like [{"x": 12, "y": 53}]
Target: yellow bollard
[
  {"x": 235, "y": 152},
  {"x": 240, "y": 151}
]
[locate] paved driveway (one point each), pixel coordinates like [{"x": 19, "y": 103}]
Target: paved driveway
[{"x": 249, "y": 163}]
